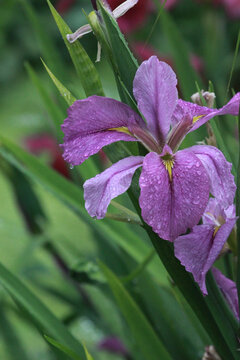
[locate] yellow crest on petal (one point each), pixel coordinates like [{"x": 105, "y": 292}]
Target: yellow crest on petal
[
  {"x": 196, "y": 118},
  {"x": 122, "y": 129},
  {"x": 168, "y": 162}
]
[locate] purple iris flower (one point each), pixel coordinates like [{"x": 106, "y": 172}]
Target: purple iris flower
[
  {"x": 228, "y": 289},
  {"x": 175, "y": 185},
  {"x": 199, "y": 249}
]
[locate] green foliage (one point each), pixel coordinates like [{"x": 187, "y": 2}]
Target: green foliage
[{"x": 141, "y": 330}]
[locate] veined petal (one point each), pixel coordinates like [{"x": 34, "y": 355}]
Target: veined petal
[
  {"x": 100, "y": 190},
  {"x": 199, "y": 250},
  {"x": 155, "y": 90},
  {"x": 229, "y": 290},
  {"x": 201, "y": 114},
  {"x": 93, "y": 123},
  {"x": 223, "y": 187},
  {"x": 172, "y": 204}
]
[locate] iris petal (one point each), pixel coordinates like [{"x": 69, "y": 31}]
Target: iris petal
[{"x": 171, "y": 206}]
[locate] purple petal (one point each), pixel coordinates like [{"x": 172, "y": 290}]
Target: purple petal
[
  {"x": 100, "y": 190},
  {"x": 229, "y": 290},
  {"x": 87, "y": 127},
  {"x": 199, "y": 250},
  {"x": 183, "y": 108},
  {"x": 213, "y": 210},
  {"x": 219, "y": 170},
  {"x": 215, "y": 213},
  {"x": 171, "y": 207},
  {"x": 155, "y": 90}
]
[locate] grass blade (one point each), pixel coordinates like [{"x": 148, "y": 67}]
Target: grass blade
[
  {"x": 145, "y": 337},
  {"x": 38, "y": 311}
]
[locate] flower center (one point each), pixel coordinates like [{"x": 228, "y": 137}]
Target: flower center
[{"x": 168, "y": 162}]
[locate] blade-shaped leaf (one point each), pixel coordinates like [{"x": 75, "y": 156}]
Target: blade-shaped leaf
[
  {"x": 53, "y": 109},
  {"x": 126, "y": 63},
  {"x": 63, "y": 348},
  {"x": 38, "y": 311},
  {"x": 223, "y": 337},
  {"x": 145, "y": 337},
  {"x": 66, "y": 94},
  {"x": 84, "y": 66}
]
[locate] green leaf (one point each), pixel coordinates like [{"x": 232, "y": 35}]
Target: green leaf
[
  {"x": 63, "y": 348},
  {"x": 10, "y": 338},
  {"x": 211, "y": 317},
  {"x": 126, "y": 63},
  {"x": 144, "y": 335},
  {"x": 53, "y": 109},
  {"x": 66, "y": 94},
  {"x": 169, "y": 319},
  {"x": 38, "y": 311},
  {"x": 89, "y": 357},
  {"x": 85, "y": 68}
]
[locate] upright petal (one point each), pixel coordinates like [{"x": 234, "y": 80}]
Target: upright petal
[
  {"x": 100, "y": 190},
  {"x": 155, "y": 90},
  {"x": 201, "y": 114},
  {"x": 199, "y": 250},
  {"x": 229, "y": 290},
  {"x": 223, "y": 187},
  {"x": 88, "y": 126},
  {"x": 172, "y": 205}
]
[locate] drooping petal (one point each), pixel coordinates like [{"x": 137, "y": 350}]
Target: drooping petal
[
  {"x": 155, "y": 90},
  {"x": 199, "y": 250},
  {"x": 87, "y": 128},
  {"x": 171, "y": 206},
  {"x": 201, "y": 114},
  {"x": 100, "y": 190},
  {"x": 229, "y": 290},
  {"x": 223, "y": 187}
]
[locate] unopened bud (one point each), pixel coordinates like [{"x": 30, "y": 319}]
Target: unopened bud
[
  {"x": 211, "y": 354},
  {"x": 209, "y": 97}
]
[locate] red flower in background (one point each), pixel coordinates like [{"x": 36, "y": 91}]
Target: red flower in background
[
  {"x": 144, "y": 52},
  {"x": 44, "y": 143},
  {"x": 63, "y": 6},
  {"x": 135, "y": 17},
  {"x": 232, "y": 7}
]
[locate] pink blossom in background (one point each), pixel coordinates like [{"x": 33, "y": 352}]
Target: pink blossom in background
[{"x": 44, "y": 143}]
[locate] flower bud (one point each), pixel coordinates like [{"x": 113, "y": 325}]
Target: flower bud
[{"x": 209, "y": 97}]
